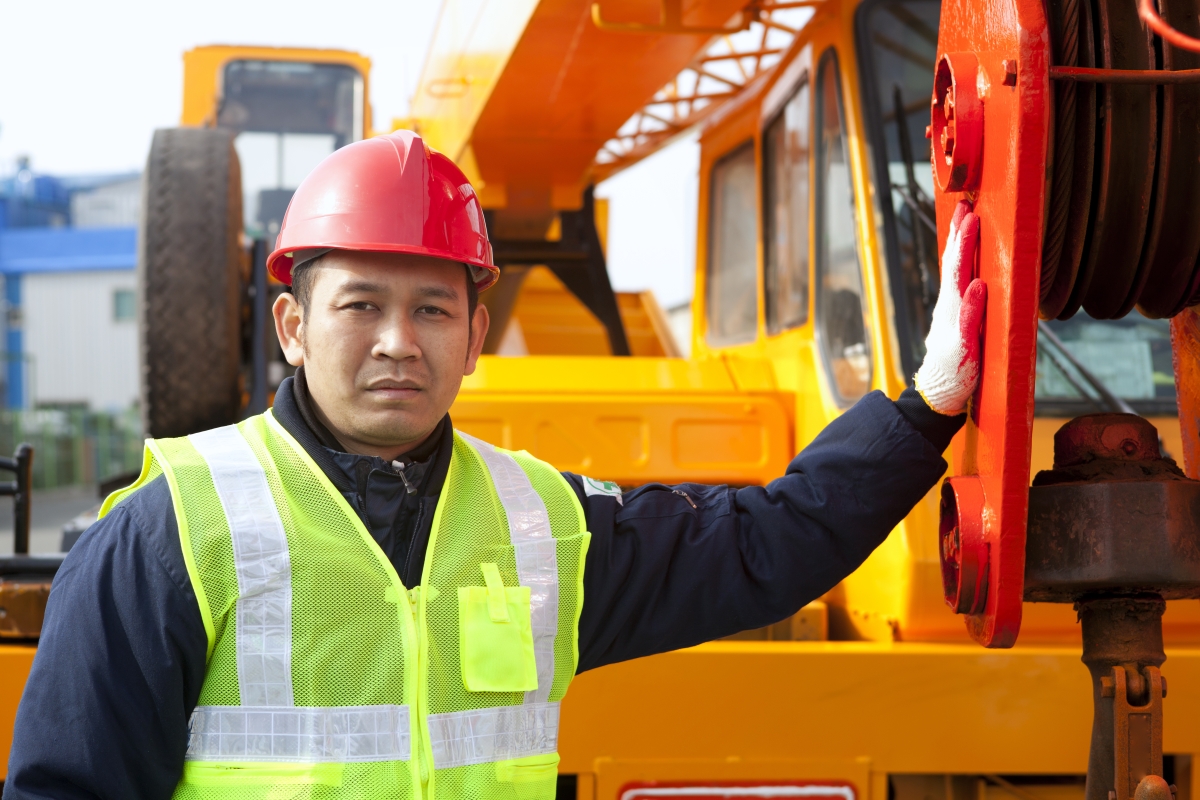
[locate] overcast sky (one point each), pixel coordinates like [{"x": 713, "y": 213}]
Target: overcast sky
[{"x": 83, "y": 85}]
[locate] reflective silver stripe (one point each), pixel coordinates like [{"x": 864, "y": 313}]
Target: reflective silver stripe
[
  {"x": 493, "y": 734},
  {"x": 536, "y": 555},
  {"x": 264, "y": 569},
  {"x": 337, "y": 734}
]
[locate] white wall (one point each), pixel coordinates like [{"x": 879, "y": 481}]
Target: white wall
[
  {"x": 78, "y": 352},
  {"x": 112, "y": 205}
]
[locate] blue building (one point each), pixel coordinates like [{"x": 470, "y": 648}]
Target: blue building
[{"x": 70, "y": 337}]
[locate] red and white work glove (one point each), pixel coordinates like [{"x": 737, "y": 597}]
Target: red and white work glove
[{"x": 950, "y": 372}]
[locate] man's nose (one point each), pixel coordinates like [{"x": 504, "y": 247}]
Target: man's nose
[{"x": 397, "y": 339}]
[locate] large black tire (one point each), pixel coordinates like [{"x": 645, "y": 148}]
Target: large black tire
[{"x": 189, "y": 282}]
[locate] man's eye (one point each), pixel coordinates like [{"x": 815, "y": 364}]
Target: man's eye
[
  {"x": 430, "y": 310},
  {"x": 360, "y": 306}
]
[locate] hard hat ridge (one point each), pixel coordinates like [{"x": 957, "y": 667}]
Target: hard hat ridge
[{"x": 387, "y": 194}]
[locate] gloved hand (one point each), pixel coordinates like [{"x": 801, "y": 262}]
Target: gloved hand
[{"x": 950, "y": 372}]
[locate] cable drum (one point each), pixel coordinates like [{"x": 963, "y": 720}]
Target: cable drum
[{"x": 1121, "y": 221}]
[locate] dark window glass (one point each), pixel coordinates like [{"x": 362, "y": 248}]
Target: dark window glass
[
  {"x": 785, "y": 221},
  {"x": 292, "y": 97},
  {"x": 898, "y": 46},
  {"x": 841, "y": 326},
  {"x": 732, "y": 296},
  {"x": 289, "y": 116},
  {"x": 1130, "y": 356}
]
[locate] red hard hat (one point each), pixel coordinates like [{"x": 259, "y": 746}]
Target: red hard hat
[{"x": 388, "y": 194}]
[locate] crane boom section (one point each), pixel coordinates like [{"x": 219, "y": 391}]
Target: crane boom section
[{"x": 525, "y": 95}]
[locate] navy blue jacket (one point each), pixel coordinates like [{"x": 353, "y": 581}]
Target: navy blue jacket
[{"x": 122, "y": 654}]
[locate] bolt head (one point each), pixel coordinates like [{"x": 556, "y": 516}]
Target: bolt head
[
  {"x": 1120, "y": 437},
  {"x": 1010, "y": 72},
  {"x": 1152, "y": 787}
]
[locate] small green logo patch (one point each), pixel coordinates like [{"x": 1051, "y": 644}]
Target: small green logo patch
[{"x": 592, "y": 486}]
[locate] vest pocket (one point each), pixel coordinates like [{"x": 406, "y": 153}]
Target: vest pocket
[
  {"x": 211, "y": 773},
  {"x": 532, "y": 777},
  {"x": 495, "y": 636}
]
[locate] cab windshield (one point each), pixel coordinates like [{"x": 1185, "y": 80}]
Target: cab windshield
[
  {"x": 289, "y": 115},
  {"x": 897, "y": 44}
]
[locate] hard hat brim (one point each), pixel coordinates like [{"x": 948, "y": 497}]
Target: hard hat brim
[{"x": 279, "y": 263}]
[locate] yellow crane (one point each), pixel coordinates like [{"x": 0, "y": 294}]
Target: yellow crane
[{"x": 815, "y": 273}]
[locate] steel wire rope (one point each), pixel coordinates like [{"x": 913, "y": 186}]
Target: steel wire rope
[{"x": 1058, "y": 213}]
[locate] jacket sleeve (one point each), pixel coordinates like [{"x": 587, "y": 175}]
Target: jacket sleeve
[
  {"x": 118, "y": 667},
  {"x": 673, "y": 566}
]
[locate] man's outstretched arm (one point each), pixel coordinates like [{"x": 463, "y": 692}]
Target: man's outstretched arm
[
  {"x": 673, "y": 566},
  {"x": 678, "y": 565},
  {"x": 119, "y": 666}
]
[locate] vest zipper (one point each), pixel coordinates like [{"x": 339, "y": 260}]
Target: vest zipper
[
  {"x": 418, "y": 751},
  {"x": 411, "y": 598},
  {"x": 426, "y": 757}
]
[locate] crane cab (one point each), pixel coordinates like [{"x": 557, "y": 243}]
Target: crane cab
[
  {"x": 817, "y": 252},
  {"x": 289, "y": 107}
]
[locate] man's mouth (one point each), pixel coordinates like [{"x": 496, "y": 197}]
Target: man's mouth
[{"x": 388, "y": 389}]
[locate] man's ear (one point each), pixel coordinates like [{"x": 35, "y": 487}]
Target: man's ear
[
  {"x": 289, "y": 318},
  {"x": 479, "y": 329}
]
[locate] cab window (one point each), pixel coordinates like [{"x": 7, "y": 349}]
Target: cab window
[
  {"x": 785, "y": 218},
  {"x": 841, "y": 326},
  {"x": 898, "y": 47},
  {"x": 1130, "y": 357},
  {"x": 732, "y": 296}
]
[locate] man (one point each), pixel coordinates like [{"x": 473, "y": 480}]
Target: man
[{"x": 347, "y": 597}]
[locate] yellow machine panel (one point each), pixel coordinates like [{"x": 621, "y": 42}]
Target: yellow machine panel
[
  {"x": 202, "y": 68},
  {"x": 634, "y": 420}
]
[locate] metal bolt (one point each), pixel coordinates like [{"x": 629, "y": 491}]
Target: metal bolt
[
  {"x": 1010, "y": 72},
  {"x": 1107, "y": 687},
  {"x": 1152, "y": 787},
  {"x": 948, "y": 133}
]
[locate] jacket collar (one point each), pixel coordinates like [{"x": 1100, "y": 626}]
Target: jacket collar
[{"x": 424, "y": 467}]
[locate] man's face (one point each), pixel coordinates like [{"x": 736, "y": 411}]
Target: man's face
[{"x": 385, "y": 343}]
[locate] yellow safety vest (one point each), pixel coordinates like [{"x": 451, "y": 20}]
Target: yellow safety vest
[{"x": 327, "y": 677}]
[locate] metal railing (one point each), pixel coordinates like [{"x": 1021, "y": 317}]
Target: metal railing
[{"x": 75, "y": 446}]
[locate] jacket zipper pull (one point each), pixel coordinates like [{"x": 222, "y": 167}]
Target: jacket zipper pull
[
  {"x": 399, "y": 467},
  {"x": 685, "y": 496}
]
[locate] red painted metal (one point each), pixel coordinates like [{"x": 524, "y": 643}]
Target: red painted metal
[
  {"x": 957, "y": 123},
  {"x": 1010, "y": 202},
  {"x": 964, "y": 545},
  {"x": 1185, "y": 348},
  {"x": 1156, "y": 23}
]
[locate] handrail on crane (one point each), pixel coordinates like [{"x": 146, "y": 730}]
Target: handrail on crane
[{"x": 671, "y": 18}]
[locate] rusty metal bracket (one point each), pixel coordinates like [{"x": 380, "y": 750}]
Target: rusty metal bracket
[{"x": 1137, "y": 729}]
